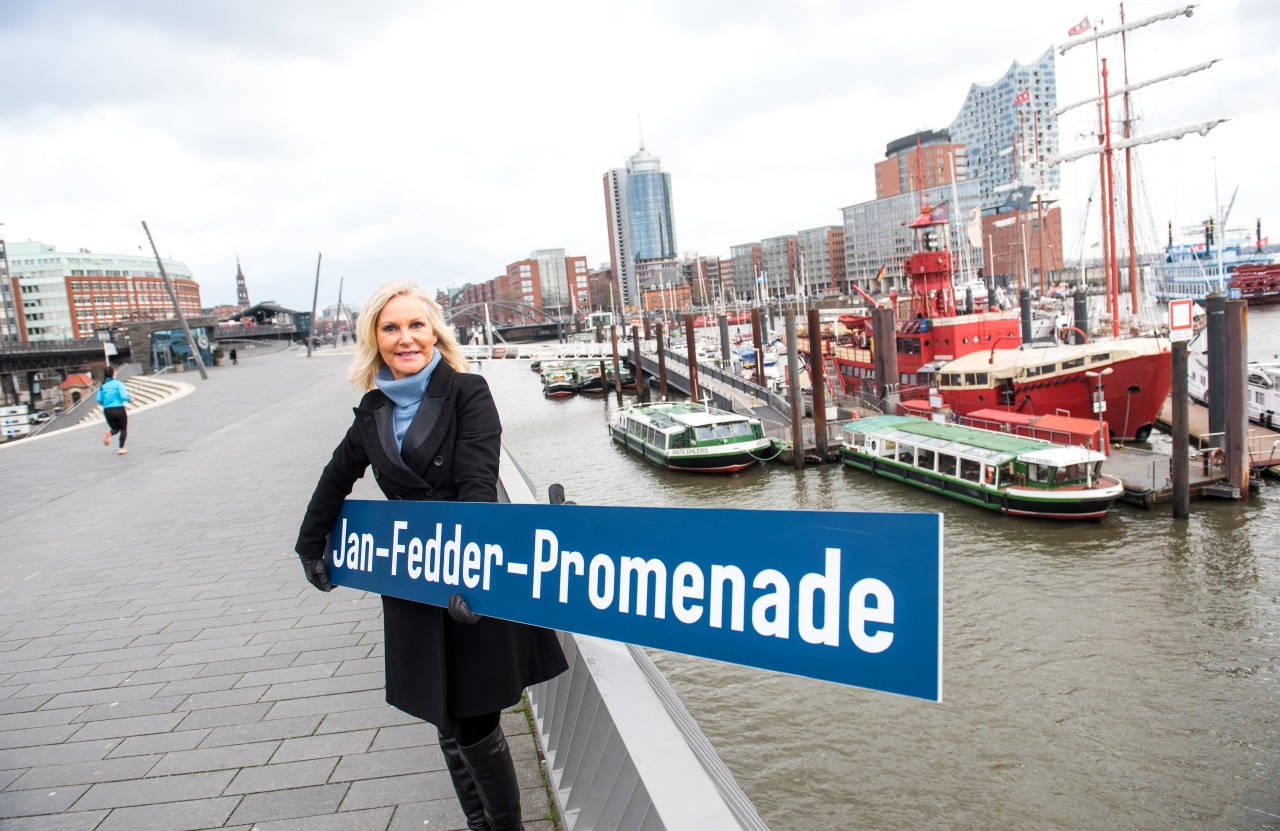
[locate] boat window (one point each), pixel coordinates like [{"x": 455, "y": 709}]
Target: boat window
[
  {"x": 969, "y": 470},
  {"x": 731, "y": 430},
  {"x": 1100, "y": 358},
  {"x": 678, "y": 440},
  {"x": 947, "y": 464},
  {"x": 1070, "y": 473},
  {"x": 1033, "y": 371},
  {"x": 1040, "y": 473},
  {"x": 859, "y": 439},
  {"x": 924, "y": 458},
  {"x": 975, "y": 379},
  {"x": 888, "y": 448},
  {"x": 1073, "y": 363}
]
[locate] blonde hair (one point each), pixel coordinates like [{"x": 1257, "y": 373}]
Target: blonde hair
[{"x": 368, "y": 360}]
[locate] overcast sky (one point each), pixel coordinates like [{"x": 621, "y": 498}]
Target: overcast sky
[{"x": 441, "y": 141}]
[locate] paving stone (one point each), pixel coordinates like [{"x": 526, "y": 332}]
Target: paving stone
[
  {"x": 372, "y": 765},
  {"x": 380, "y": 715},
  {"x": 326, "y": 686},
  {"x": 375, "y": 819},
  {"x": 419, "y": 734},
  {"x": 159, "y": 743},
  {"x": 66, "y": 821},
  {"x": 36, "y": 736},
  {"x": 126, "y": 709},
  {"x": 23, "y": 705},
  {"x": 39, "y": 718},
  {"x": 163, "y": 789},
  {"x": 171, "y": 816},
  {"x": 394, "y": 790},
  {"x": 263, "y": 731},
  {"x": 229, "y": 757},
  {"x": 86, "y": 773},
  {"x": 319, "y": 747},
  {"x": 38, "y": 801},
  {"x": 278, "y": 777},
  {"x": 223, "y": 716},
  {"x": 123, "y": 727},
  {"x": 290, "y": 804}
]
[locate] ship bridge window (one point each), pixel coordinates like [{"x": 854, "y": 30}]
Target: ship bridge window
[
  {"x": 975, "y": 379},
  {"x": 1040, "y": 473},
  {"x": 1100, "y": 358},
  {"x": 1073, "y": 363},
  {"x": 1071, "y": 473},
  {"x": 1046, "y": 369}
]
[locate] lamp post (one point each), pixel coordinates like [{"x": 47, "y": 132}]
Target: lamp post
[{"x": 1099, "y": 402}]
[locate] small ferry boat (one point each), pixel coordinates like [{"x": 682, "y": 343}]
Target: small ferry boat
[
  {"x": 590, "y": 378},
  {"x": 1012, "y": 474},
  {"x": 624, "y": 372},
  {"x": 559, "y": 381},
  {"x": 683, "y": 435}
]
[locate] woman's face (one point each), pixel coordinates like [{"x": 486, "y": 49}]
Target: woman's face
[{"x": 405, "y": 336}]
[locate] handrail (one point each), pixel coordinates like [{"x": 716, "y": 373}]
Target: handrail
[{"x": 623, "y": 754}]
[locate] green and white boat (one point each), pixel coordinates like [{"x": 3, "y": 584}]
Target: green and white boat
[
  {"x": 682, "y": 435},
  {"x": 999, "y": 471}
]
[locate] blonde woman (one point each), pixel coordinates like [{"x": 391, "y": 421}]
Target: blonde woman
[{"x": 430, "y": 431}]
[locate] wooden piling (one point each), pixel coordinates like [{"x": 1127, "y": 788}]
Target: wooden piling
[{"x": 817, "y": 375}]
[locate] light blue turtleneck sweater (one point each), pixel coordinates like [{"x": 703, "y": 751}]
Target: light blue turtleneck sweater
[{"x": 406, "y": 393}]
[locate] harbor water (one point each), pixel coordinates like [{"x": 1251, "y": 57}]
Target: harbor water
[{"x": 1097, "y": 675}]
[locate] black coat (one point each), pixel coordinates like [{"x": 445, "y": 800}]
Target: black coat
[{"x": 436, "y": 668}]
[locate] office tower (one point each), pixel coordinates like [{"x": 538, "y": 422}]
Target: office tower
[{"x": 640, "y": 220}]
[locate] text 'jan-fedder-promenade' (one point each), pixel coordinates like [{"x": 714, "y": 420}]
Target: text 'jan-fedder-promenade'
[{"x": 853, "y": 598}]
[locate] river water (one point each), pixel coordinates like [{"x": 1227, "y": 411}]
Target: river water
[{"x": 1121, "y": 674}]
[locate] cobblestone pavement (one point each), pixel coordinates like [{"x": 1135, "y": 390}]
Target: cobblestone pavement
[{"x": 163, "y": 662}]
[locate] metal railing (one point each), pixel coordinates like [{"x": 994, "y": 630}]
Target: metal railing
[{"x": 622, "y": 753}]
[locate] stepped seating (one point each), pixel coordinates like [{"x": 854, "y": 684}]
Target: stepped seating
[{"x": 144, "y": 390}]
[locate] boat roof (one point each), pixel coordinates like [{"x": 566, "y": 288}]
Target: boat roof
[
  {"x": 1010, "y": 363},
  {"x": 972, "y": 442},
  {"x": 672, "y": 415}
]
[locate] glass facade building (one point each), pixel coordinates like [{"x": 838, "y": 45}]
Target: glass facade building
[
  {"x": 641, "y": 219},
  {"x": 1018, "y": 109}
]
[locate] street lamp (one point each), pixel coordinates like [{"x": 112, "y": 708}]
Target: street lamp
[{"x": 1099, "y": 402}]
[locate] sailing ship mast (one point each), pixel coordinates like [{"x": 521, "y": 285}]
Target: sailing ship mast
[{"x": 1107, "y": 146}]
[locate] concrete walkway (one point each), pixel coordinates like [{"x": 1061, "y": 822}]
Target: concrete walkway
[{"x": 163, "y": 662}]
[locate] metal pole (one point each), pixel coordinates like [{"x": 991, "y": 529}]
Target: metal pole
[
  {"x": 315, "y": 297},
  {"x": 1236, "y": 438},
  {"x": 173, "y": 298}
]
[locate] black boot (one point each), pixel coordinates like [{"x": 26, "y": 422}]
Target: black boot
[
  {"x": 464, "y": 785},
  {"x": 489, "y": 761}
]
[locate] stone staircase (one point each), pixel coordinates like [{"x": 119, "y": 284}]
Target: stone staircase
[{"x": 145, "y": 391}]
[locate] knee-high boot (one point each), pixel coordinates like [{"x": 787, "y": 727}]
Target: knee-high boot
[
  {"x": 464, "y": 785},
  {"x": 489, "y": 761}
]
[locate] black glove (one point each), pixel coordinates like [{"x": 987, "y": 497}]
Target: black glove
[
  {"x": 317, "y": 574},
  {"x": 460, "y": 610}
]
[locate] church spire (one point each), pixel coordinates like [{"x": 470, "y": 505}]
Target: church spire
[{"x": 242, "y": 291}]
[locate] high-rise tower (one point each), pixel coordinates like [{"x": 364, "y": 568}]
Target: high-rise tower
[
  {"x": 640, "y": 220},
  {"x": 242, "y": 291}
]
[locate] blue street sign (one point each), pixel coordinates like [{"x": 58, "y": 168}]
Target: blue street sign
[{"x": 854, "y": 598}]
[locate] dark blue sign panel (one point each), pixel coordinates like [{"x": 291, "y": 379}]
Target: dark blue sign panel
[{"x": 854, "y": 598}]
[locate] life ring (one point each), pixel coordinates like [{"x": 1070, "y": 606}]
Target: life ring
[{"x": 989, "y": 476}]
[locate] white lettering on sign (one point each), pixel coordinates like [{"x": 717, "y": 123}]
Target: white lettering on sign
[{"x": 642, "y": 586}]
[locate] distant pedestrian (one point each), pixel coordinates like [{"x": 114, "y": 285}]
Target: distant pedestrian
[
  {"x": 234, "y": 359},
  {"x": 112, "y": 395},
  {"x": 451, "y": 668}
]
